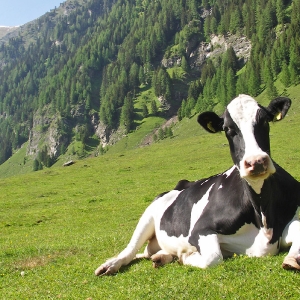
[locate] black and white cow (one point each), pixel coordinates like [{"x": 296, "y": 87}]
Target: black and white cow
[{"x": 251, "y": 209}]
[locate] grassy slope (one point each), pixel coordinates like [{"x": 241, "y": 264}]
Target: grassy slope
[{"x": 58, "y": 225}]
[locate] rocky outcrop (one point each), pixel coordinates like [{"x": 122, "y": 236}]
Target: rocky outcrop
[
  {"x": 102, "y": 132},
  {"x": 171, "y": 62},
  {"x": 45, "y": 132},
  {"x": 217, "y": 46}
]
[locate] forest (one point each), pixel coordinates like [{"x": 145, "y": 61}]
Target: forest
[{"x": 104, "y": 52}]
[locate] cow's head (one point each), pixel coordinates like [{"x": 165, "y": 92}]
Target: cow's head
[{"x": 246, "y": 125}]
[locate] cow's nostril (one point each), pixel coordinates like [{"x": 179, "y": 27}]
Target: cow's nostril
[
  {"x": 248, "y": 164},
  {"x": 262, "y": 160}
]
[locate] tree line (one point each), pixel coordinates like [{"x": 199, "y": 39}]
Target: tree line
[{"x": 101, "y": 53}]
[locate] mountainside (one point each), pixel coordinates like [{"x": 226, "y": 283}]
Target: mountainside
[
  {"x": 6, "y": 32},
  {"x": 87, "y": 74}
]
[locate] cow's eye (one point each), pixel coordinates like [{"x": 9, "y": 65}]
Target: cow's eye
[{"x": 230, "y": 131}]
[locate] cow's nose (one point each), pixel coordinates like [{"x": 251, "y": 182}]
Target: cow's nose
[{"x": 256, "y": 165}]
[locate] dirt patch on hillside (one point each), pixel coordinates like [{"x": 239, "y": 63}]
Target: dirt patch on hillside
[{"x": 148, "y": 140}]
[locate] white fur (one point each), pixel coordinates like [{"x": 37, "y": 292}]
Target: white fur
[{"x": 198, "y": 209}]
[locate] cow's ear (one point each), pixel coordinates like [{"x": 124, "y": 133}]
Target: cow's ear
[
  {"x": 279, "y": 107},
  {"x": 211, "y": 122}
]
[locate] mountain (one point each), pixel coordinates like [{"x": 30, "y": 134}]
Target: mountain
[
  {"x": 90, "y": 73},
  {"x": 7, "y": 31}
]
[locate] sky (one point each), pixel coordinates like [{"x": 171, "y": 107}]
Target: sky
[{"x": 19, "y": 12}]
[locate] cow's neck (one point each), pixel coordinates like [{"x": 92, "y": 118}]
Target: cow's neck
[
  {"x": 256, "y": 184},
  {"x": 263, "y": 207}
]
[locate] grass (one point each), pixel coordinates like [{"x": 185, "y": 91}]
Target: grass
[{"x": 58, "y": 225}]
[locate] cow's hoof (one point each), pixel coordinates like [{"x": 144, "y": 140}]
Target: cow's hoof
[
  {"x": 108, "y": 268},
  {"x": 291, "y": 263},
  {"x": 161, "y": 259}
]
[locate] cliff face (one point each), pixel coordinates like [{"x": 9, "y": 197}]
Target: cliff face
[
  {"x": 45, "y": 133},
  {"x": 54, "y": 132},
  {"x": 216, "y": 47}
]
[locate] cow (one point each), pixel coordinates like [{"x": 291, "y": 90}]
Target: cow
[{"x": 250, "y": 209}]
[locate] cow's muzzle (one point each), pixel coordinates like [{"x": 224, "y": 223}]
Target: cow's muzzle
[{"x": 260, "y": 166}]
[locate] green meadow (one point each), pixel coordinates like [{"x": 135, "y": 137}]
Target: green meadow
[{"x": 58, "y": 225}]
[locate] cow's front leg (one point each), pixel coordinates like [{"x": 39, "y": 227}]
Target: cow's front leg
[
  {"x": 143, "y": 232},
  {"x": 210, "y": 253},
  {"x": 291, "y": 237}
]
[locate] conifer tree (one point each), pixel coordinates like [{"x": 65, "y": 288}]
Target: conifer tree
[
  {"x": 145, "y": 111},
  {"x": 184, "y": 64},
  {"x": 127, "y": 114},
  {"x": 285, "y": 75},
  {"x": 154, "y": 108},
  {"x": 231, "y": 85},
  {"x": 160, "y": 134},
  {"x": 183, "y": 109},
  {"x": 271, "y": 89},
  {"x": 279, "y": 11}
]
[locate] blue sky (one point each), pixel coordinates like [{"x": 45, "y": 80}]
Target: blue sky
[{"x": 19, "y": 12}]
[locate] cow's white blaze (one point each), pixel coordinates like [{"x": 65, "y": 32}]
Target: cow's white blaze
[
  {"x": 198, "y": 208},
  {"x": 243, "y": 111}
]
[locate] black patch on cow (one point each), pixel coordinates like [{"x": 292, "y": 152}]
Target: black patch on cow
[
  {"x": 262, "y": 129},
  {"x": 235, "y": 139},
  {"x": 183, "y": 184},
  {"x": 225, "y": 213}
]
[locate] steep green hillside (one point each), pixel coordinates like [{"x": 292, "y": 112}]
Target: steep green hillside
[
  {"x": 88, "y": 73},
  {"x": 186, "y": 129}
]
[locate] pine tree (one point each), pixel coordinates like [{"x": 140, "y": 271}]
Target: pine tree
[
  {"x": 141, "y": 75},
  {"x": 241, "y": 84},
  {"x": 231, "y": 85},
  {"x": 134, "y": 75},
  {"x": 160, "y": 134},
  {"x": 179, "y": 114},
  {"x": 183, "y": 109},
  {"x": 184, "y": 64},
  {"x": 232, "y": 59},
  {"x": 154, "y": 109},
  {"x": 280, "y": 11},
  {"x": 169, "y": 132},
  {"x": 127, "y": 114},
  {"x": 294, "y": 64},
  {"x": 285, "y": 75},
  {"x": 235, "y": 20},
  {"x": 35, "y": 165},
  {"x": 271, "y": 89},
  {"x": 145, "y": 111},
  {"x": 253, "y": 82}
]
